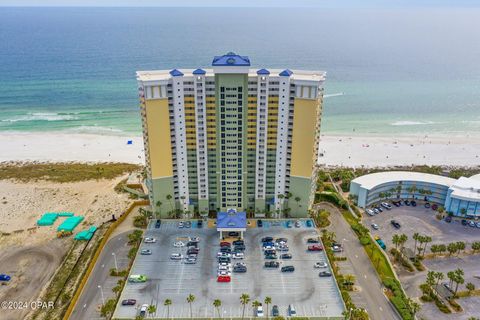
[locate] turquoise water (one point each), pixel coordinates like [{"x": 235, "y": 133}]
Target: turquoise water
[{"x": 389, "y": 72}]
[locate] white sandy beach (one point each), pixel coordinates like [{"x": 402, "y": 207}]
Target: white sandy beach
[{"x": 351, "y": 151}]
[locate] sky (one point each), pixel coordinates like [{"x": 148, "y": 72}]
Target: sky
[{"x": 248, "y": 3}]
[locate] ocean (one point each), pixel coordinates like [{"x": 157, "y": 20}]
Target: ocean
[{"x": 389, "y": 72}]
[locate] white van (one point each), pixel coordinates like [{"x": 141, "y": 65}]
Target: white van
[{"x": 291, "y": 310}]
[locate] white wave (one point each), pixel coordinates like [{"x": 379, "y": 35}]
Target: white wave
[
  {"x": 95, "y": 129},
  {"x": 41, "y": 116},
  {"x": 334, "y": 95},
  {"x": 411, "y": 123}
]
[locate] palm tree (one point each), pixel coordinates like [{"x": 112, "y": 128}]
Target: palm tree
[
  {"x": 403, "y": 239},
  {"x": 169, "y": 198},
  {"x": 217, "y": 304},
  {"x": 440, "y": 276},
  {"x": 349, "y": 279},
  {"x": 159, "y": 204},
  {"x": 415, "y": 237},
  {"x": 427, "y": 239},
  {"x": 297, "y": 199},
  {"x": 151, "y": 310},
  {"x": 167, "y": 303},
  {"x": 267, "y": 301},
  {"x": 190, "y": 300},
  {"x": 244, "y": 300},
  {"x": 255, "y": 305},
  {"x": 396, "y": 242}
]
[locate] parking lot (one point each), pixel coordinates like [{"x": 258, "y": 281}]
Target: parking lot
[
  {"x": 422, "y": 220},
  {"x": 311, "y": 295}
]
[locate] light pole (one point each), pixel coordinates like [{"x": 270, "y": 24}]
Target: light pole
[
  {"x": 115, "y": 258},
  {"x": 101, "y": 291},
  {"x": 350, "y": 314}
]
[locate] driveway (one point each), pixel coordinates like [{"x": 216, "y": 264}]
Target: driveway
[
  {"x": 88, "y": 305},
  {"x": 375, "y": 302}
]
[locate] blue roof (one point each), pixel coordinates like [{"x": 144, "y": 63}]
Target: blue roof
[
  {"x": 199, "y": 71},
  {"x": 176, "y": 73},
  {"x": 263, "y": 71},
  {"x": 286, "y": 73},
  {"x": 231, "y": 220},
  {"x": 231, "y": 59}
]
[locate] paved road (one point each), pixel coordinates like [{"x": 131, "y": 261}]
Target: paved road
[
  {"x": 88, "y": 304},
  {"x": 377, "y": 305}
]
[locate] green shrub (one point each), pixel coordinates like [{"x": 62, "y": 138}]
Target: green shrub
[{"x": 365, "y": 240}]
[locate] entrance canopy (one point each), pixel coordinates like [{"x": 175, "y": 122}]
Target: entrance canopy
[{"x": 231, "y": 221}]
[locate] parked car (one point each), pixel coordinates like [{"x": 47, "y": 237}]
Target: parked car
[
  {"x": 386, "y": 205},
  {"x": 240, "y": 269},
  {"x": 395, "y": 224},
  {"x": 224, "y": 259},
  {"x": 176, "y": 256},
  {"x": 143, "y": 310},
  {"x": 223, "y": 254},
  {"x": 289, "y": 224},
  {"x": 434, "y": 207},
  {"x": 150, "y": 240},
  {"x": 239, "y": 248},
  {"x": 281, "y": 240},
  {"x": 396, "y": 203},
  {"x": 285, "y": 256},
  {"x": 178, "y": 244},
  {"x": 379, "y": 208},
  {"x": 478, "y": 224},
  {"x": 271, "y": 264},
  {"x": 319, "y": 265},
  {"x": 190, "y": 260},
  {"x": 193, "y": 239},
  {"x": 238, "y": 242},
  {"x": 375, "y": 226},
  {"x": 315, "y": 247},
  {"x": 180, "y": 224},
  {"x": 380, "y": 242},
  {"x": 233, "y": 234},
  {"x": 5, "y": 277},
  {"x": 287, "y": 269},
  {"x": 325, "y": 274},
  {"x": 259, "y": 223},
  {"x": 129, "y": 302},
  {"x": 448, "y": 219},
  {"x": 447, "y": 286},
  {"x": 137, "y": 278},
  {"x": 407, "y": 202},
  {"x": 158, "y": 223},
  {"x": 225, "y": 244},
  {"x": 267, "y": 239},
  {"x": 283, "y": 248},
  {"x": 291, "y": 310},
  {"x": 224, "y": 279},
  {"x": 370, "y": 212},
  {"x": 471, "y": 224},
  {"x": 145, "y": 252},
  {"x": 337, "y": 249},
  {"x": 225, "y": 249},
  {"x": 413, "y": 203},
  {"x": 298, "y": 224},
  {"x": 238, "y": 255},
  {"x": 260, "y": 311},
  {"x": 427, "y": 205},
  {"x": 313, "y": 240},
  {"x": 200, "y": 224},
  {"x": 188, "y": 224},
  {"x": 309, "y": 223},
  {"x": 464, "y": 222},
  {"x": 275, "y": 311},
  {"x": 192, "y": 244},
  {"x": 376, "y": 211},
  {"x": 193, "y": 251},
  {"x": 271, "y": 256}
]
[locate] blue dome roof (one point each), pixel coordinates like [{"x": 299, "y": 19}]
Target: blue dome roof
[
  {"x": 199, "y": 71},
  {"x": 176, "y": 73},
  {"x": 263, "y": 72},
  {"x": 230, "y": 59},
  {"x": 286, "y": 73}
]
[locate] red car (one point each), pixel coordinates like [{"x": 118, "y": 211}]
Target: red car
[
  {"x": 225, "y": 244},
  {"x": 315, "y": 247},
  {"x": 224, "y": 279},
  {"x": 129, "y": 302}
]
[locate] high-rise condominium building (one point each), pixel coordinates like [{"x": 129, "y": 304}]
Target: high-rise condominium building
[{"x": 231, "y": 137}]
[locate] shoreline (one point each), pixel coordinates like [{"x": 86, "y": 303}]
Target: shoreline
[{"x": 345, "y": 150}]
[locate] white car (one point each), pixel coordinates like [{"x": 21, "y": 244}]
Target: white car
[
  {"x": 375, "y": 226},
  {"x": 150, "y": 240},
  {"x": 224, "y": 254},
  {"x": 194, "y": 239},
  {"x": 376, "y": 210},
  {"x": 240, "y": 264},
  {"x": 370, "y": 212},
  {"x": 180, "y": 224},
  {"x": 260, "y": 311},
  {"x": 176, "y": 256},
  {"x": 190, "y": 260},
  {"x": 238, "y": 255},
  {"x": 224, "y": 264},
  {"x": 146, "y": 252},
  {"x": 386, "y": 205},
  {"x": 268, "y": 248},
  {"x": 319, "y": 265},
  {"x": 178, "y": 244},
  {"x": 224, "y": 273},
  {"x": 143, "y": 310}
]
